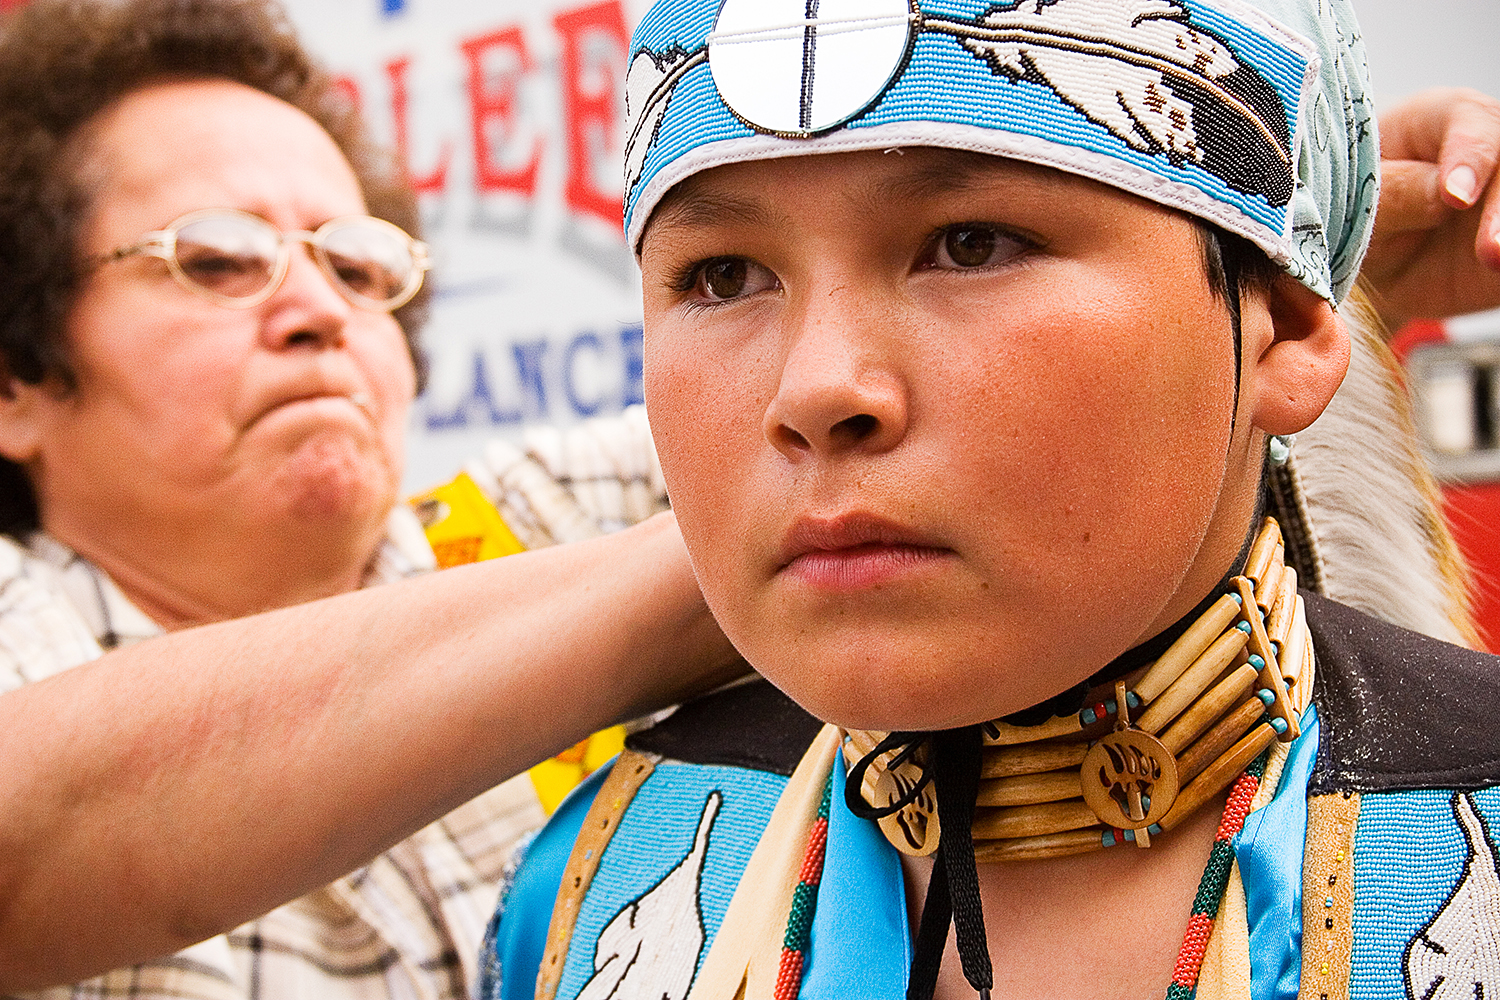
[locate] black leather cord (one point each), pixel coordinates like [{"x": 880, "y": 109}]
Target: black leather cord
[
  {"x": 958, "y": 753},
  {"x": 908, "y": 744},
  {"x": 952, "y": 759}
]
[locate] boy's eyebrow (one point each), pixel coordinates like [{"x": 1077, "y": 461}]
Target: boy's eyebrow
[
  {"x": 956, "y": 171},
  {"x": 692, "y": 208}
]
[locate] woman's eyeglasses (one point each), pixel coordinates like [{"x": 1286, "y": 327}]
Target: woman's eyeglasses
[{"x": 239, "y": 260}]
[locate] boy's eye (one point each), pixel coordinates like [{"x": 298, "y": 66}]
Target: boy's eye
[
  {"x": 731, "y": 278},
  {"x": 970, "y": 245}
]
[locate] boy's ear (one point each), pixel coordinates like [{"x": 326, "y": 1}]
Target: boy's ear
[
  {"x": 1304, "y": 353},
  {"x": 22, "y": 406}
]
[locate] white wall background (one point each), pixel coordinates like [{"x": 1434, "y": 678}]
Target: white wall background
[{"x": 1415, "y": 44}]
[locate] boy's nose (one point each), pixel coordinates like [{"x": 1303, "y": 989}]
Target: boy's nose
[{"x": 837, "y": 394}]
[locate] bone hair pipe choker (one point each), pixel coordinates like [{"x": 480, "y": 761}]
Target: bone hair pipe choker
[{"x": 1144, "y": 754}]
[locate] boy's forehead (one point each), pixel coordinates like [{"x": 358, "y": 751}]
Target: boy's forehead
[{"x": 753, "y": 193}]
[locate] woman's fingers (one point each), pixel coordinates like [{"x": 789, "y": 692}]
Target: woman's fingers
[
  {"x": 1487, "y": 240},
  {"x": 1410, "y": 198},
  {"x": 1436, "y": 247},
  {"x": 1470, "y": 149},
  {"x": 1456, "y": 129}
]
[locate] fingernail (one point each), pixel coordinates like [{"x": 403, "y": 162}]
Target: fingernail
[{"x": 1463, "y": 184}]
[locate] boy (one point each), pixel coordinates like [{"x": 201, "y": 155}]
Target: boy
[{"x": 976, "y": 335}]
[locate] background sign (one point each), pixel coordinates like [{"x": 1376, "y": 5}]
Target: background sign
[{"x": 508, "y": 118}]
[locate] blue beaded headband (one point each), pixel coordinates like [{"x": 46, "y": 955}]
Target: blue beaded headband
[{"x": 1213, "y": 107}]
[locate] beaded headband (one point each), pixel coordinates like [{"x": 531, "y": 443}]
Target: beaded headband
[{"x": 1252, "y": 116}]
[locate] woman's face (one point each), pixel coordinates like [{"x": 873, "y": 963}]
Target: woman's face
[
  {"x": 945, "y": 433},
  {"x": 198, "y": 416}
]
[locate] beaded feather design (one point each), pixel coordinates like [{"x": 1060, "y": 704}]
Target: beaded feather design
[{"x": 1142, "y": 70}]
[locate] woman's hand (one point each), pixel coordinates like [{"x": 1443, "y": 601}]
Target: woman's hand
[{"x": 1436, "y": 248}]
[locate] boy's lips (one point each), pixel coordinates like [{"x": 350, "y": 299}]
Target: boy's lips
[{"x": 853, "y": 551}]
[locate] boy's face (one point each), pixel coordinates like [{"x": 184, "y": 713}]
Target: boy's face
[{"x": 945, "y": 433}]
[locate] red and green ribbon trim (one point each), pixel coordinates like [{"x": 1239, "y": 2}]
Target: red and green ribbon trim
[
  {"x": 1215, "y": 882},
  {"x": 804, "y": 903}
]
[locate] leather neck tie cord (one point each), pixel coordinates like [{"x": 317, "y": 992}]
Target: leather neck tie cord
[
  {"x": 953, "y": 892},
  {"x": 1146, "y": 751}
]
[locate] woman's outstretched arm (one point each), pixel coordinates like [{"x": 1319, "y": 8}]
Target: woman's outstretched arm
[{"x": 167, "y": 792}]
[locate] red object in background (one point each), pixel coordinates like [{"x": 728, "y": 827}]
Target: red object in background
[
  {"x": 1472, "y": 509},
  {"x": 492, "y": 103},
  {"x": 1473, "y": 512},
  {"x": 437, "y": 178},
  {"x": 1415, "y": 334},
  {"x": 9, "y": 4}
]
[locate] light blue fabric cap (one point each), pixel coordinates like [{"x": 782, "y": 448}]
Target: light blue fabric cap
[{"x": 1251, "y": 114}]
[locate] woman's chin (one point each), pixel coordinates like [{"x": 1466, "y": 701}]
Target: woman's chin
[{"x": 334, "y": 483}]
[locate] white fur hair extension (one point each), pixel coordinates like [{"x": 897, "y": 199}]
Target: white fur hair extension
[{"x": 1371, "y": 502}]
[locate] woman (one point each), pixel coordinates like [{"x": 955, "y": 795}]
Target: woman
[
  {"x": 193, "y": 434},
  {"x": 976, "y": 338}
]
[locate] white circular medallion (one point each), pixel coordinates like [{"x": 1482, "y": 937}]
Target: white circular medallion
[{"x": 805, "y": 66}]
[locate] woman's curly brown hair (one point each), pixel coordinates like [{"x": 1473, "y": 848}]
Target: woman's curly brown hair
[{"x": 61, "y": 62}]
